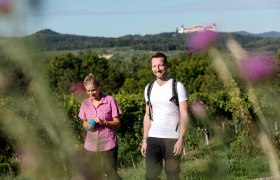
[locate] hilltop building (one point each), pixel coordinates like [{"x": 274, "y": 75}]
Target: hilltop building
[{"x": 198, "y": 28}]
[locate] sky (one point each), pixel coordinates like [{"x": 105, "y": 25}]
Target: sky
[{"x": 116, "y": 18}]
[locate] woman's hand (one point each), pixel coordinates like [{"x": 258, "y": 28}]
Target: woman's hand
[
  {"x": 87, "y": 125},
  {"x": 97, "y": 120},
  {"x": 103, "y": 122},
  {"x": 100, "y": 121}
]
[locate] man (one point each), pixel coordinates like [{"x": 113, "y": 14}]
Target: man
[{"x": 164, "y": 123}]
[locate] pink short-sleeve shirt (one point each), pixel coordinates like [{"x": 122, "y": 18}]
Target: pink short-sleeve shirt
[{"x": 102, "y": 138}]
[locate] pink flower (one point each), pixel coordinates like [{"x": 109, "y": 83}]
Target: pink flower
[
  {"x": 256, "y": 68},
  {"x": 78, "y": 88},
  {"x": 200, "y": 41},
  {"x": 198, "y": 109},
  {"x": 5, "y": 5}
]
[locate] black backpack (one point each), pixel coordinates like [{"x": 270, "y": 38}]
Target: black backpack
[{"x": 173, "y": 99}]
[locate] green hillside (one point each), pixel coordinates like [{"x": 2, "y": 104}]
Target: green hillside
[{"x": 168, "y": 41}]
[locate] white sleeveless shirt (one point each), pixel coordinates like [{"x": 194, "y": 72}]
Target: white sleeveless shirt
[{"x": 165, "y": 114}]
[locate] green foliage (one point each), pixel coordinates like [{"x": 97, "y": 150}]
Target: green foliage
[
  {"x": 129, "y": 86},
  {"x": 7, "y": 142},
  {"x": 63, "y": 71},
  {"x": 13, "y": 77},
  {"x": 191, "y": 69},
  {"x": 68, "y": 69},
  {"x": 71, "y": 106},
  {"x": 245, "y": 146},
  {"x": 91, "y": 63},
  {"x": 9, "y": 168},
  {"x": 130, "y": 132},
  {"x": 211, "y": 83}
]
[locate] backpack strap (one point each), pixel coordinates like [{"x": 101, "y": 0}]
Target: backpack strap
[
  {"x": 174, "y": 97},
  {"x": 149, "y": 89}
]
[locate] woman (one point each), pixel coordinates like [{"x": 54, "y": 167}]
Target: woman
[{"x": 101, "y": 141}]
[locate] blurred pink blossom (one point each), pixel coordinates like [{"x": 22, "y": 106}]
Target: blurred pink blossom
[
  {"x": 26, "y": 158},
  {"x": 200, "y": 41},
  {"x": 5, "y": 5},
  {"x": 198, "y": 109},
  {"x": 256, "y": 68},
  {"x": 78, "y": 88}
]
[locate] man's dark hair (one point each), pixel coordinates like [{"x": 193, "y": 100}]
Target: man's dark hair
[{"x": 160, "y": 55}]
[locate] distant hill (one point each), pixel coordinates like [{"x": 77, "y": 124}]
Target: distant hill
[
  {"x": 169, "y": 41},
  {"x": 47, "y": 32},
  {"x": 270, "y": 34}
]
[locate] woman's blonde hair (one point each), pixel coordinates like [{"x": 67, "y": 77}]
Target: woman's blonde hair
[{"x": 91, "y": 79}]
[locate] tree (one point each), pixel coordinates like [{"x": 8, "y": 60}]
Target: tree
[
  {"x": 63, "y": 71},
  {"x": 191, "y": 71}
]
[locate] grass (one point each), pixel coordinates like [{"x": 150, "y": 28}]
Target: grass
[
  {"x": 124, "y": 53},
  {"x": 210, "y": 167},
  {"x": 195, "y": 165}
]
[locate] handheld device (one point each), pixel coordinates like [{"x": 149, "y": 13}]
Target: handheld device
[{"x": 92, "y": 122}]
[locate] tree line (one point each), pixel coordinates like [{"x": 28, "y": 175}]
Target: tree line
[{"x": 167, "y": 41}]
